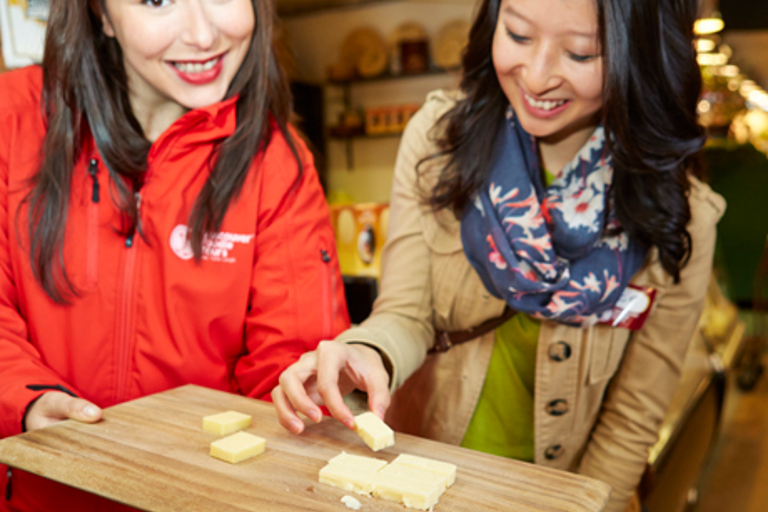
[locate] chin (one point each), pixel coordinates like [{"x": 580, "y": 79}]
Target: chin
[{"x": 201, "y": 100}]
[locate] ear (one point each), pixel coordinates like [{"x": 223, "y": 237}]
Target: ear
[
  {"x": 99, "y": 10},
  {"x": 106, "y": 26}
]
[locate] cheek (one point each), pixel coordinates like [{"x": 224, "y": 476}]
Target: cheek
[
  {"x": 500, "y": 54},
  {"x": 238, "y": 21},
  {"x": 590, "y": 86},
  {"x": 147, "y": 40}
]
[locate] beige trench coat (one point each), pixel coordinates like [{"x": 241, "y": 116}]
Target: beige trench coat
[{"x": 614, "y": 387}]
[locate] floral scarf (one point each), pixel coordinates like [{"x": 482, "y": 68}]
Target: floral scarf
[{"x": 545, "y": 251}]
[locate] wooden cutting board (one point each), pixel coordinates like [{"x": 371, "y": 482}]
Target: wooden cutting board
[{"x": 152, "y": 453}]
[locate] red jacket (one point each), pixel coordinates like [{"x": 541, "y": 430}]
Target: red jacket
[{"x": 149, "y": 317}]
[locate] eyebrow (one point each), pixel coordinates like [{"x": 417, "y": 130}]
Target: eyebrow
[{"x": 511, "y": 10}]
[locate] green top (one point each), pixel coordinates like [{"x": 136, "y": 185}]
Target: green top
[
  {"x": 503, "y": 420},
  {"x": 502, "y": 423}
]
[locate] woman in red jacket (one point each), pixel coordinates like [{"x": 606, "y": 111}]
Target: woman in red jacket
[{"x": 161, "y": 222}]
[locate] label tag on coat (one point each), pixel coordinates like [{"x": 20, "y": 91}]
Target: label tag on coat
[{"x": 631, "y": 310}]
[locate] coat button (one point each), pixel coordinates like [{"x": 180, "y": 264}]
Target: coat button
[
  {"x": 559, "y": 351},
  {"x": 557, "y": 407},
  {"x": 554, "y": 451}
]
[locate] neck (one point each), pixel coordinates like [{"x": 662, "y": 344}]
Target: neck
[
  {"x": 155, "y": 119},
  {"x": 153, "y": 111},
  {"x": 556, "y": 152}
]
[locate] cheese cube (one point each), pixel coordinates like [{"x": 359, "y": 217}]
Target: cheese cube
[
  {"x": 349, "y": 478},
  {"x": 415, "y": 488},
  {"x": 445, "y": 469},
  {"x": 374, "y": 431},
  {"x": 351, "y": 472},
  {"x": 238, "y": 447},
  {"x": 358, "y": 461},
  {"x": 226, "y": 422}
]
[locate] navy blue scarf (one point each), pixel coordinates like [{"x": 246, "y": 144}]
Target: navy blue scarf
[{"x": 545, "y": 251}]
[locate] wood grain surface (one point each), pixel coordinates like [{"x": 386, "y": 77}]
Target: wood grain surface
[{"x": 152, "y": 453}]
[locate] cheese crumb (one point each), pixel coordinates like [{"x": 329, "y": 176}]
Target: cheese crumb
[{"x": 351, "y": 502}]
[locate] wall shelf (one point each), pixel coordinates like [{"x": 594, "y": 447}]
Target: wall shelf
[{"x": 388, "y": 76}]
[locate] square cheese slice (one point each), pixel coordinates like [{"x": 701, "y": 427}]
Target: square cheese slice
[
  {"x": 374, "y": 431},
  {"x": 357, "y": 461},
  {"x": 238, "y": 447},
  {"x": 415, "y": 488},
  {"x": 445, "y": 469},
  {"x": 351, "y": 472},
  {"x": 348, "y": 478},
  {"x": 226, "y": 422}
]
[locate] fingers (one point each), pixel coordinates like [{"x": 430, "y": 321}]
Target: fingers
[
  {"x": 323, "y": 377},
  {"x": 54, "y": 406},
  {"x": 332, "y": 358},
  {"x": 83, "y": 410},
  {"x": 296, "y": 393},
  {"x": 286, "y": 414},
  {"x": 379, "y": 397},
  {"x": 374, "y": 380}
]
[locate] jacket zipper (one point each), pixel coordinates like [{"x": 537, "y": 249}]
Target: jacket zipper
[
  {"x": 329, "y": 295},
  {"x": 93, "y": 226},
  {"x": 125, "y": 319}
]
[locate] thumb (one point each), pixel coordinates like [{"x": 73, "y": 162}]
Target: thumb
[
  {"x": 379, "y": 398},
  {"x": 83, "y": 410}
]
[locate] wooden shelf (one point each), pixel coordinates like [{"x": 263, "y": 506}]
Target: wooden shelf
[
  {"x": 389, "y": 76},
  {"x": 387, "y": 135}
]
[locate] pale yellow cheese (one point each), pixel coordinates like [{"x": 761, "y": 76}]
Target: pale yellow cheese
[
  {"x": 358, "y": 461},
  {"x": 417, "y": 482},
  {"x": 226, "y": 422},
  {"x": 445, "y": 469},
  {"x": 238, "y": 447},
  {"x": 374, "y": 431},
  {"x": 348, "y": 478},
  {"x": 351, "y": 472},
  {"x": 414, "y": 487}
]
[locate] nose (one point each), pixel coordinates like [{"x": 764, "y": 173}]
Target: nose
[
  {"x": 198, "y": 29},
  {"x": 542, "y": 73}
]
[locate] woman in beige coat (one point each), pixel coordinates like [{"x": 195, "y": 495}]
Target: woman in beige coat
[{"x": 558, "y": 184}]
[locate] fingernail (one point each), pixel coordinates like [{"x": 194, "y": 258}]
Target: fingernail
[
  {"x": 380, "y": 411},
  {"x": 296, "y": 426},
  {"x": 90, "y": 411},
  {"x": 350, "y": 424},
  {"x": 315, "y": 416}
]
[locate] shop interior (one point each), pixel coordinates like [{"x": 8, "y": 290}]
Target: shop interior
[{"x": 360, "y": 68}]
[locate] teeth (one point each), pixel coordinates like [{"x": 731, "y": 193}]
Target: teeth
[
  {"x": 543, "y": 105},
  {"x": 195, "y": 67}
]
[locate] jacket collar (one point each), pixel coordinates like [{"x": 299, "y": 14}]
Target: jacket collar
[{"x": 203, "y": 125}]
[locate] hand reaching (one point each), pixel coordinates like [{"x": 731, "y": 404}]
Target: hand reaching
[{"x": 323, "y": 377}]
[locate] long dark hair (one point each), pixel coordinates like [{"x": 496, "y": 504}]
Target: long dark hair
[
  {"x": 84, "y": 89},
  {"x": 650, "y": 92}
]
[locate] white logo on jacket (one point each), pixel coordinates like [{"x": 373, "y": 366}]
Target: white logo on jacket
[{"x": 216, "y": 247}]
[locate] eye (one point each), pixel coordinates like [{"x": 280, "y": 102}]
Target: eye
[
  {"x": 581, "y": 58},
  {"x": 155, "y": 3},
  {"x": 516, "y": 38}
]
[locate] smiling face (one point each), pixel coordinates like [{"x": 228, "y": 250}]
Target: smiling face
[
  {"x": 547, "y": 59},
  {"x": 180, "y": 54}
]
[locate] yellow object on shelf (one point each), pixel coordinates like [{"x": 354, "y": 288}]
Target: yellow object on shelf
[{"x": 361, "y": 231}]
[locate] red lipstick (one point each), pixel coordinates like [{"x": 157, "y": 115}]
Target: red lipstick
[{"x": 202, "y": 77}]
